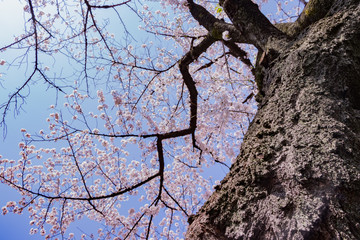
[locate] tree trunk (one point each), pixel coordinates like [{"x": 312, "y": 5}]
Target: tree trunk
[{"x": 298, "y": 173}]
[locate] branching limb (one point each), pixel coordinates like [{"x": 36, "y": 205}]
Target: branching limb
[
  {"x": 314, "y": 10},
  {"x": 89, "y": 6},
  {"x": 110, "y": 6},
  {"x": 215, "y": 26},
  {"x": 237, "y": 52},
  {"x": 211, "y": 62},
  {"x": 253, "y": 25},
  {"x": 177, "y": 203},
  {"x": 13, "y": 97}
]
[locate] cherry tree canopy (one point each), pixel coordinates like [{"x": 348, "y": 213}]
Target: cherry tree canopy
[{"x": 145, "y": 111}]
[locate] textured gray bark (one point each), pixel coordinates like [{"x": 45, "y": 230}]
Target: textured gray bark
[{"x": 298, "y": 173}]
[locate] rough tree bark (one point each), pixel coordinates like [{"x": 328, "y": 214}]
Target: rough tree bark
[{"x": 298, "y": 173}]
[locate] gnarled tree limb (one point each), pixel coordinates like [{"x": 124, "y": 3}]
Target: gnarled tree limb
[{"x": 253, "y": 25}]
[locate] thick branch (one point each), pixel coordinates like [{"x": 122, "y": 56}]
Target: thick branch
[
  {"x": 253, "y": 25},
  {"x": 213, "y": 25},
  {"x": 192, "y": 55},
  {"x": 313, "y": 11},
  {"x": 202, "y": 15}
]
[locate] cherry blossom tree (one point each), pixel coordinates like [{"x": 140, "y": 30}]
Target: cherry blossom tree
[
  {"x": 162, "y": 114},
  {"x": 144, "y": 117}
]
